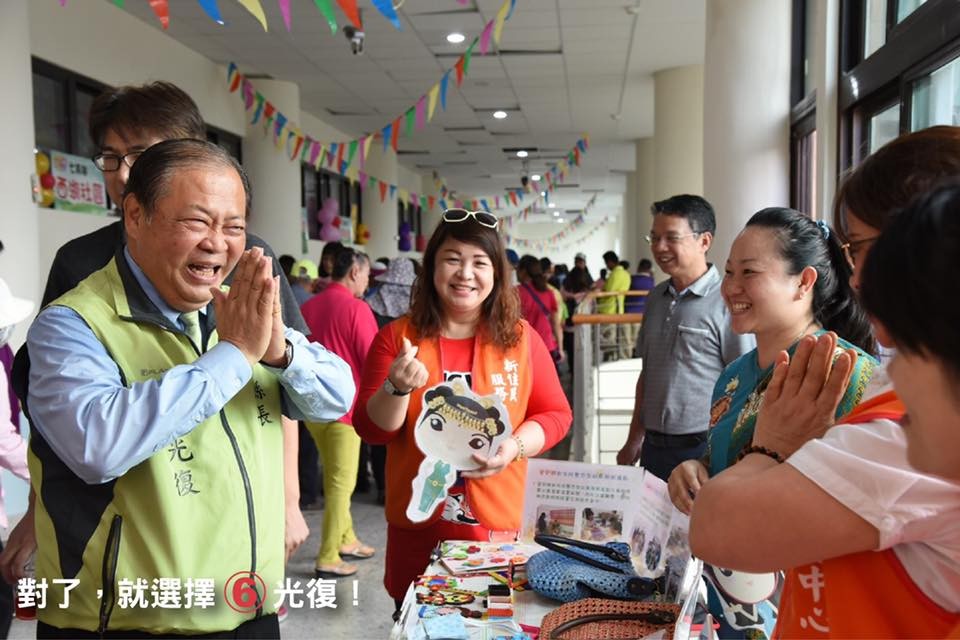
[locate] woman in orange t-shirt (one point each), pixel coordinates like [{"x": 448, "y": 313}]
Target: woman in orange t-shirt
[{"x": 463, "y": 327}]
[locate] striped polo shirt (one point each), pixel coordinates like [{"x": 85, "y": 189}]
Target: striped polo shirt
[{"x": 685, "y": 342}]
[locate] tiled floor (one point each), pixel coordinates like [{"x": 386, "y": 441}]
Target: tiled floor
[{"x": 369, "y": 618}]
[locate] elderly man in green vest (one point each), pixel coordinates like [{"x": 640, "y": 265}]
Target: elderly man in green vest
[{"x": 156, "y": 400}]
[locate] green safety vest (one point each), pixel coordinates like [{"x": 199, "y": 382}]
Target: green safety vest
[{"x": 209, "y": 505}]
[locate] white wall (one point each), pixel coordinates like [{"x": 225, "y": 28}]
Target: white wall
[
  {"x": 605, "y": 239},
  {"x": 18, "y": 222}
]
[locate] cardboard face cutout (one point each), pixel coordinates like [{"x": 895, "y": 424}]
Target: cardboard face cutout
[{"x": 454, "y": 424}]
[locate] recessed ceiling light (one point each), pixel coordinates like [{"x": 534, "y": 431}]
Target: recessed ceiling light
[
  {"x": 556, "y": 213},
  {"x": 455, "y": 38},
  {"x": 552, "y": 205},
  {"x": 535, "y": 177},
  {"x": 543, "y": 194},
  {"x": 499, "y": 115},
  {"x": 522, "y": 154}
]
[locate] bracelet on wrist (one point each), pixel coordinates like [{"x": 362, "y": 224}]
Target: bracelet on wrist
[
  {"x": 521, "y": 450},
  {"x": 770, "y": 453}
]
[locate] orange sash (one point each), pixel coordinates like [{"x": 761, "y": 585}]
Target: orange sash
[
  {"x": 496, "y": 501},
  {"x": 861, "y": 595}
]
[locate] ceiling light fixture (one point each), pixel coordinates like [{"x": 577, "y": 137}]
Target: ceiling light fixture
[
  {"x": 536, "y": 177},
  {"x": 543, "y": 194},
  {"x": 552, "y": 205},
  {"x": 499, "y": 115},
  {"x": 455, "y": 38},
  {"x": 522, "y": 154},
  {"x": 556, "y": 213}
]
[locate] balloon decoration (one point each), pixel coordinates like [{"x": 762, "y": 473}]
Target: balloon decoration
[
  {"x": 47, "y": 180},
  {"x": 405, "y": 242},
  {"x": 329, "y": 220},
  {"x": 363, "y": 233}
]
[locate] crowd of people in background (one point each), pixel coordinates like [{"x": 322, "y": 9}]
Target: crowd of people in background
[{"x": 172, "y": 373}]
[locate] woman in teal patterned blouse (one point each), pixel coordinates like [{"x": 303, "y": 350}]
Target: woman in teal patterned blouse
[{"x": 786, "y": 277}]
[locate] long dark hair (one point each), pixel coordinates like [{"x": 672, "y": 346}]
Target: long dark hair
[
  {"x": 531, "y": 266},
  {"x": 500, "y": 313},
  {"x": 805, "y": 243}
]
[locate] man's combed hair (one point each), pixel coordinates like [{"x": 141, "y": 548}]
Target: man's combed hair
[
  {"x": 695, "y": 210},
  {"x": 161, "y": 109},
  {"x": 152, "y": 173},
  {"x": 500, "y": 313}
]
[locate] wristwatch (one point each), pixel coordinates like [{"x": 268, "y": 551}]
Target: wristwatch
[
  {"x": 392, "y": 390},
  {"x": 287, "y": 354}
]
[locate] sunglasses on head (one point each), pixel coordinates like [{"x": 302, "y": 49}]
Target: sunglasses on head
[{"x": 485, "y": 218}]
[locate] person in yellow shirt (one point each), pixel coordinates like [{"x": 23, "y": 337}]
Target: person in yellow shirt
[{"x": 618, "y": 279}]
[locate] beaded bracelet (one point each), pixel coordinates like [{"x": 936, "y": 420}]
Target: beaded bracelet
[
  {"x": 770, "y": 453},
  {"x": 521, "y": 454}
]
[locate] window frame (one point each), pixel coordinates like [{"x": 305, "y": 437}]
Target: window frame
[
  {"x": 70, "y": 82},
  {"x": 924, "y": 39}
]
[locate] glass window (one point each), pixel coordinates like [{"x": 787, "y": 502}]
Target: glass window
[
  {"x": 906, "y": 7},
  {"x": 874, "y": 26},
  {"x": 82, "y": 100},
  {"x": 936, "y": 98},
  {"x": 809, "y": 45},
  {"x": 50, "y": 122},
  {"x": 884, "y": 126}
]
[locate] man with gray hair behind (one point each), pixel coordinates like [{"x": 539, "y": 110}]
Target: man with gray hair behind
[{"x": 156, "y": 399}]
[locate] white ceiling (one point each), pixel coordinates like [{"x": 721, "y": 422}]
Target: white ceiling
[{"x": 564, "y": 67}]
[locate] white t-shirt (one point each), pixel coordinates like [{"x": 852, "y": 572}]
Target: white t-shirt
[{"x": 864, "y": 467}]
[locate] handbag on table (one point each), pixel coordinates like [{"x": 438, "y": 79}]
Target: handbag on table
[
  {"x": 572, "y": 570},
  {"x": 604, "y": 619}
]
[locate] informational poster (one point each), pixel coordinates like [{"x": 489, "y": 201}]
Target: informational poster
[
  {"x": 605, "y": 503},
  {"x": 78, "y": 184}
]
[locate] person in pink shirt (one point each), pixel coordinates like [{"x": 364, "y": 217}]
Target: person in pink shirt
[
  {"x": 340, "y": 320},
  {"x": 539, "y": 306},
  {"x": 13, "y": 448}
]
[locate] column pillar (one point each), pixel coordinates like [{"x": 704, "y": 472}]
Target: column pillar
[
  {"x": 678, "y": 131},
  {"x": 381, "y": 217},
  {"x": 19, "y": 260},
  {"x": 274, "y": 177},
  {"x": 746, "y": 161}
]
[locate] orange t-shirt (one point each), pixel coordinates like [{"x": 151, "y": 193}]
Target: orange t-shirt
[{"x": 861, "y": 595}]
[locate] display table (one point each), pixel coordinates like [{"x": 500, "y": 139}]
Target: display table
[{"x": 529, "y": 608}]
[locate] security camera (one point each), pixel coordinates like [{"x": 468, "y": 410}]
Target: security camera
[{"x": 355, "y": 37}]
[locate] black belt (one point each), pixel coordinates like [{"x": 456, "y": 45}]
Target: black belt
[{"x": 675, "y": 441}]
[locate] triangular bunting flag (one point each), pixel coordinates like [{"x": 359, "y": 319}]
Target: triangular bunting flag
[
  {"x": 353, "y": 151},
  {"x": 393, "y": 190},
  {"x": 443, "y": 90},
  {"x": 285, "y": 11},
  {"x": 233, "y": 77},
  {"x": 421, "y": 108},
  {"x": 459, "y": 68},
  {"x": 432, "y": 101},
  {"x": 349, "y": 8},
  {"x": 362, "y": 179},
  {"x": 467, "y": 56},
  {"x": 501, "y": 17},
  {"x": 254, "y": 7},
  {"x": 383, "y": 191},
  {"x": 162, "y": 11},
  {"x": 410, "y": 117},
  {"x": 394, "y": 136},
  {"x": 386, "y": 136},
  {"x": 327, "y": 10},
  {"x": 386, "y": 8},
  {"x": 430, "y": 201},
  {"x": 485, "y": 38}
]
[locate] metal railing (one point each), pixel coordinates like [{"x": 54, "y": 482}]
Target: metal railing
[{"x": 604, "y": 379}]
